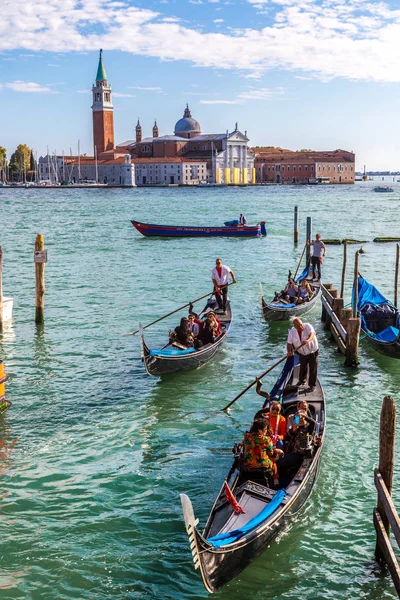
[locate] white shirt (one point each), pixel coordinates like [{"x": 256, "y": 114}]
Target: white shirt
[
  {"x": 294, "y": 338},
  {"x": 223, "y": 280},
  {"x": 194, "y": 328}
]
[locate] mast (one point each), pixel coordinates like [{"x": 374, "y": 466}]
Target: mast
[
  {"x": 48, "y": 165},
  {"x": 79, "y": 161}
]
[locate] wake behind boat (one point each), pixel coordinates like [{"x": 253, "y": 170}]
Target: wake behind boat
[
  {"x": 229, "y": 229},
  {"x": 173, "y": 357},
  {"x": 380, "y": 320},
  {"x": 231, "y": 540}
]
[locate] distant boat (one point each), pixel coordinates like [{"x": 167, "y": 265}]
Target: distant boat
[
  {"x": 383, "y": 188},
  {"x": 151, "y": 230}
]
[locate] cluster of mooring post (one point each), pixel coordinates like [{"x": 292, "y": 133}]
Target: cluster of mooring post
[
  {"x": 343, "y": 323},
  {"x": 385, "y": 514}
]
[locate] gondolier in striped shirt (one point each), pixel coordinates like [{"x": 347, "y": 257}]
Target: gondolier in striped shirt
[
  {"x": 220, "y": 277},
  {"x": 304, "y": 333}
]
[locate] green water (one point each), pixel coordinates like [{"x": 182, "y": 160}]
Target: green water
[{"x": 94, "y": 453}]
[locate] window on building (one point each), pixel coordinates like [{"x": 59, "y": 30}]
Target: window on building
[
  {"x": 319, "y": 168},
  {"x": 145, "y": 148},
  {"x": 269, "y": 168},
  {"x": 306, "y": 168},
  {"x": 299, "y": 168},
  {"x": 294, "y": 168}
]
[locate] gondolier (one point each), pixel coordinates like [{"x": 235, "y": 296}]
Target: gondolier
[
  {"x": 319, "y": 250},
  {"x": 304, "y": 333},
  {"x": 220, "y": 278}
]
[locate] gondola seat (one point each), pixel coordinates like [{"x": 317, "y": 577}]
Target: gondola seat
[{"x": 171, "y": 352}]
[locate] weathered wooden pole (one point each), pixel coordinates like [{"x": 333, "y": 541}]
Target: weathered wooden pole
[
  {"x": 296, "y": 226},
  {"x": 328, "y": 320},
  {"x": 308, "y": 238},
  {"x": 39, "y": 272},
  {"x": 328, "y": 287},
  {"x": 353, "y": 335},
  {"x": 396, "y": 274},
  {"x": 1, "y": 289},
  {"x": 387, "y": 436},
  {"x": 355, "y": 286},
  {"x": 343, "y": 268},
  {"x": 345, "y": 315}
]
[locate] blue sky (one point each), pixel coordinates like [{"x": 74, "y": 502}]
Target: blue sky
[{"x": 319, "y": 74}]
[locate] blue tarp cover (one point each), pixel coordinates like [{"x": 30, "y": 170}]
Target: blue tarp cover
[
  {"x": 223, "y": 539},
  {"x": 284, "y": 377},
  {"x": 171, "y": 352},
  {"x": 281, "y": 305},
  {"x": 368, "y": 294},
  {"x": 303, "y": 275},
  {"x": 390, "y": 334}
]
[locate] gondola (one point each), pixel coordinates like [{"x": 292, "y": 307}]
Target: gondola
[
  {"x": 230, "y": 541},
  {"x": 172, "y": 358},
  {"x": 229, "y": 229},
  {"x": 380, "y": 320},
  {"x": 276, "y": 310}
]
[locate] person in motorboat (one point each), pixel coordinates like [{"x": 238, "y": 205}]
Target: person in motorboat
[
  {"x": 302, "y": 339},
  {"x": 319, "y": 250},
  {"x": 206, "y": 334},
  {"x": 305, "y": 292},
  {"x": 220, "y": 277},
  {"x": 182, "y": 334},
  {"x": 242, "y": 219},
  {"x": 259, "y": 454}
]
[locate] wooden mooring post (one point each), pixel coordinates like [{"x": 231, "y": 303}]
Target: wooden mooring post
[
  {"x": 296, "y": 226},
  {"x": 40, "y": 258},
  {"x": 308, "y": 239},
  {"x": 343, "y": 268},
  {"x": 385, "y": 514},
  {"x": 396, "y": 274}
]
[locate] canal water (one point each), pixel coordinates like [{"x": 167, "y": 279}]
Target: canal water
[{"x": 94, "y": 452}]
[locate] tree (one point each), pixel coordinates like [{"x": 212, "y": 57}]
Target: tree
[
  {"x": 3, "y": 154},
  {"x": 19, "y": 161},
  {"x": 3, "y": 164}
]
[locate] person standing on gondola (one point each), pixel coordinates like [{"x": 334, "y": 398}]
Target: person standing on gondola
[
  {"x": 319, "y": 250},
  {"x": 302, "y": 339},
  {"x": 220, "y": 277}
]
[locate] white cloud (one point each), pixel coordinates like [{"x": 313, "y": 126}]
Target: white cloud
[
  {"x": 355, "y": 39},
  {"x": 28, "y": 86},
  {"x": 218, "y": 20},
  {"x": 118, "y": 95},
  {"x": 260, "y": 94},
  {"x": 221, "y": 101},
  {"x": 146, "y": 89}
]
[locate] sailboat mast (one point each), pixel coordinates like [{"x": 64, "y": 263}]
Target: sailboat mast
[{"x": 79, "y": 161}]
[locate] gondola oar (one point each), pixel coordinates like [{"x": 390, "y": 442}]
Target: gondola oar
[
  {"x": 178, "y": 309},
  {"x": 301, "y": 258},
  {"x": 257, "y": 378}
]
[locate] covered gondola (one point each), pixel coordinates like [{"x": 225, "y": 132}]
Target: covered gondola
[
  {"x": 172, "y": 358},
  {"x": 380, "y": 321},
  {"x": 277, "y": 310},
  {"x": 231, "y": 540}
]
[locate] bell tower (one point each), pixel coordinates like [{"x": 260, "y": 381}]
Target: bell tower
[{"x": 103, "y": 111}]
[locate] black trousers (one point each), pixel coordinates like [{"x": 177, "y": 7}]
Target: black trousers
[
  {"x": 310, "y": 361},
  {"x": 221, "y": 298},
  {"x": 316, "y": 263}
]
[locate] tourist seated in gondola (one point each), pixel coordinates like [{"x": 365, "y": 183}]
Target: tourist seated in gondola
[
  {"x": 300, "y": 429},
  {"x": 182, "y": 334},
  {"x": 206, "y": 334},
  {"x": 305, "y": 292},
  {"x": 216, "y": 323},
  {"x": 259, "y": 454},
  {"x": 194, "y": 325},
  {"x": 277, "y": 422},
  {"x": 290, "y": 292}
]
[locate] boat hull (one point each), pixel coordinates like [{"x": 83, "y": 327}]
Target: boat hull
[
  {"x": 391, "y": 349},
  {"x": 150, "y": 230}
]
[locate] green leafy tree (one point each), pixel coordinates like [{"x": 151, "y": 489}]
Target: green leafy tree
[
  {"x": 20, "y": 160},
  {"x": 3, "y": 154}
]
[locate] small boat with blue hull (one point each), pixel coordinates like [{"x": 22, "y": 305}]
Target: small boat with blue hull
[
  {"x": 230, "y": 229},
  {"x": 171, "y": 358},
  {"x": 278, "y": 310},
  {"x": 383, "y": 189},
  {"x": 232, "y": 540},
  {"x": 380, "y": 319}
]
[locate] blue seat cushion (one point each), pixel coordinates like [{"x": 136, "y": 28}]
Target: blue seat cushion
[{"x": 172, "y": 352}]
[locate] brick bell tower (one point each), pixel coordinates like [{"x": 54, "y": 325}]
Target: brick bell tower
[{"x": 103, "y": 111}]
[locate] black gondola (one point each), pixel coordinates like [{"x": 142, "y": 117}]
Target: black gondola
[
  {"x": 380, "y": 320},
  {"x": 276, "y": 310},
  {"x": 238, "y": 538},
  {"x": 171, "y": 359}
]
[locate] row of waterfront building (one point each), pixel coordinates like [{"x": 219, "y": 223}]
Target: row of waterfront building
[{"x": 187, "y": 157}]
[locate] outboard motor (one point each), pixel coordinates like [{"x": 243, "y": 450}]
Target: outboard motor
[{"x": 263, "y": 228}]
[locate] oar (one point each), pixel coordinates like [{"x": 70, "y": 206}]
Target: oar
[
  {"x": 257, "y": 378},
  {"x": 178, "y": 309},
  {"x": 301, "y": 258}
]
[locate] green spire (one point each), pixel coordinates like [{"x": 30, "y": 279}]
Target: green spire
[{"x": 101, "y": 72}]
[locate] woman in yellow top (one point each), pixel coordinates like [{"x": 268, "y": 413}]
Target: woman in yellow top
[{"x": 259, "y": 453}]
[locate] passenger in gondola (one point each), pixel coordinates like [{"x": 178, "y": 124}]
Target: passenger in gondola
[
  {"x": 193, "y": 325},
  {"x": 182, "y": 334},
  {"x": 259, "y": 454},
  {"x": 276, "y": 420},
  {"x": 300, "y": 429},
  {"x": 216, "y": 323},
  {"x": 206, "y": 334},
  {"x": 305, "y": 292},
  {"x": 291, "y": 291}
]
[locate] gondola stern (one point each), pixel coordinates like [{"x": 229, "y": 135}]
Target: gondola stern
[{"x": 261, "y": 295}]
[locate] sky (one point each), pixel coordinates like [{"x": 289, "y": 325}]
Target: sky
[{"x": 315, "y": 74}]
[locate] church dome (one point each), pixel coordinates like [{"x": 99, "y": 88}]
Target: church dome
[{"x": 187, "y": 126}]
